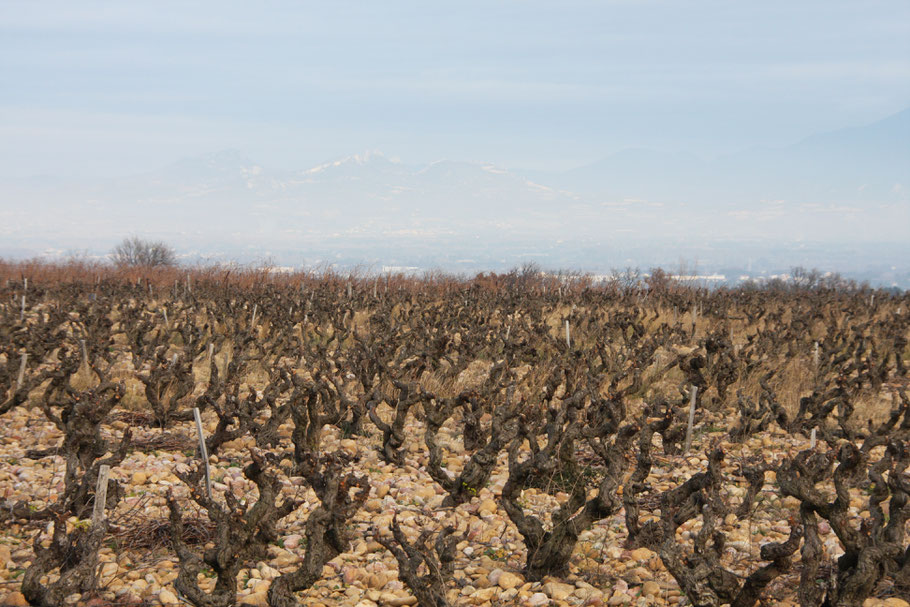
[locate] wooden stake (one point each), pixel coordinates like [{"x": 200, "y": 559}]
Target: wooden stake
[
  {"x": 203, "y": 452},
  {"x": 21, "y": 378},
  {"x": 100, "y": 495},
  {"x": 253, "y": 319},
  {"x": 815, "y": 355},
  {"x": 692, "y": 394},
  {"x": 812, "y": 439}
]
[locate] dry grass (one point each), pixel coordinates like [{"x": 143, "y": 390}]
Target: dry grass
[{"x": 152, "y": 534}]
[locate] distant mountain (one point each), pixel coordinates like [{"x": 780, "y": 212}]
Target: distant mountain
[
  {"x": 226, "y": 195},
  {"x": 865, "y": 165},
  {"x": 852, "y": 184}
]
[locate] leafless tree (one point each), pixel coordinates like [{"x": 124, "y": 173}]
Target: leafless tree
[{"x": 137, "y": 252}]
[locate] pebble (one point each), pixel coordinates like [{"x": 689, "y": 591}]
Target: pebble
[
  {"x": 619, "y": 598},
  {"x": 166, "y": 597},
  {"x": 493, "y": 576},
  {"x": 650, "y": 589},
  {"x": 509, "y": 580},
  {"x": 485, "y": 594},
  {"x": 558, "y": 591},
  {"x": 109, "y": 570},
  {"x": 641, "y": 554},
  {"x": 397, "y": 601},
  {"x": 257, "y": 599},
  {"x": 284, "y": 559},
  {"x": 14, "y": 599},
  {"x": 292, "y": 541},
  {"x": 538, "y": 599},
  {"x": 588, "y": 594},
  {"x": 889, "y": 602},
  {"x": 487, "y": 508}
]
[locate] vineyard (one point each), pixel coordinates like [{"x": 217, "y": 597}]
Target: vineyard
[{"x": 217, "y": 438}]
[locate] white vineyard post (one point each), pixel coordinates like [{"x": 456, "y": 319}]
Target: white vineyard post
[
  {"x": 100, "y": 495},
  {"x": 692, "y": 394},
  {"x": 568, "y": 336},
  {"x": 253, "y": 319},
  {"x": 203, "y": 452},
  {"x": 815, "y": 355},
  {"x": 21, "y": 378},
  {"x": 812, "y": 439},
  {"x": 22, "y": 311},
  {"x": 166, "y": 321}
]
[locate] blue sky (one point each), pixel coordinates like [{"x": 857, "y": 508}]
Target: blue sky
[{"x": 112, "y": 88}]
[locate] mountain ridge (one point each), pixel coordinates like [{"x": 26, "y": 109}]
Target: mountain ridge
[{"x": 815, "y": 188}]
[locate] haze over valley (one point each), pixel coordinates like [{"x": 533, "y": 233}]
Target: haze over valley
[{"x": 847, "y": 190}]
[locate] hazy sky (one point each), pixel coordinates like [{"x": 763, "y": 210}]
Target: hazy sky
[{"x": 108, "y": 88}]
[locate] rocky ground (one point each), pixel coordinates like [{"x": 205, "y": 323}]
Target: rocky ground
[{"x": 138, "y": 566}]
